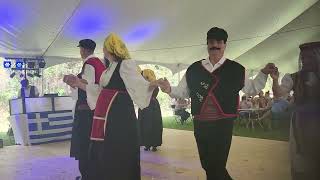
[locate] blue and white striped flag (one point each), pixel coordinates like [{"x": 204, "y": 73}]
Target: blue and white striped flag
[{"x": 45, "y": 127}]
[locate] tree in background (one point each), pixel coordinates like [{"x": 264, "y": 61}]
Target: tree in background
[
  {"x": 52, "y": 77},
  {"x": 164, "y": 99},
  {"x": 51, "y": 82},
  {"x": 9, "y": 89}
]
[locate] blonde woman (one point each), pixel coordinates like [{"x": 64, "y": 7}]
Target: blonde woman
[
  {"x": 115, "y": 152},
  {"x": 150, "y": 118}
]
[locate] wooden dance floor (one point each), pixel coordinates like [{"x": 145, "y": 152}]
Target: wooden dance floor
[{"x": 177, "y": 159}]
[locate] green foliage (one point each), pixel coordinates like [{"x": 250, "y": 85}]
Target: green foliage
[
  {"x": 171, "y": 123},
  {"x": 52, "y": 77},
  {"x": 279, "y": 134},
  {"x": 7, "y": 140},
  {"x": 50, "y": 82},
  {"x": 164, "y": 99}
]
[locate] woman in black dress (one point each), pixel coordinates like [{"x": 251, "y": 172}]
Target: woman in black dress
[
  {"x": 114, "y": 152},
  {"x": 150, "y": 118}
]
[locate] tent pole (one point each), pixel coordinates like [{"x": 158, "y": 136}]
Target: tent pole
[{"x": 42, "y": 84}]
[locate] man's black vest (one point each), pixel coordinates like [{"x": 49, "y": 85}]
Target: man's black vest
[{"x": 224, "y": 83}]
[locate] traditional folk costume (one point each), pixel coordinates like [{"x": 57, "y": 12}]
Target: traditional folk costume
[
  {"x": 150, "y": 118},
  {"x": 305, "y": 123},
  {"x": 214, "y": 92},
  {"x": 85, "y": 105},
  {"x": 115, "y": 152}
]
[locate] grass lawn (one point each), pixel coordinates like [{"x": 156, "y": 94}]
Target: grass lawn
[
  {"x": 7, "y": 141},
  {"x": 280, "y": 134}
]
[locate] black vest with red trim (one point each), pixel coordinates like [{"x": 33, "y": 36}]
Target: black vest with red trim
[
  {"x": 219, "y": 90},
  {"x": 99, "y": 67},
  {"x": 116, "y": 82}
]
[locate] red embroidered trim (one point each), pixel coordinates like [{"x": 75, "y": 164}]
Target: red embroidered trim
[{"x": 212, "y": 116}]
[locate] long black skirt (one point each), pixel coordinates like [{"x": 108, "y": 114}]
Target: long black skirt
[
  {"x": 304, "y": 142},
  {"x": 81, "y": 130},
  {"x": 150, "y": 125},
  {"x": 118, "y": 156}
]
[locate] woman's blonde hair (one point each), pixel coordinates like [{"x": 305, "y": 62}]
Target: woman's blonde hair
[
  {"x": 149, "y": 75},
  {"x": 115, "y": 46}
]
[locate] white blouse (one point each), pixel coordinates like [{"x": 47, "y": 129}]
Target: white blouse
[
  {"x": 251, "y": 87},
  {"x": 92, "y": 89},
  {"x": 286, "y": 85},
  {"x": 136, "y": 85}
]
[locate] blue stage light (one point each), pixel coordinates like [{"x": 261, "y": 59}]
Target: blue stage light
[
  {"x": 100, "y": 17},
  {"x": 19, "y": 64},
  {"x": 42, "y": 64},
  {"x": 7, "y": 64},
  {"x": 142, "y": 32}
]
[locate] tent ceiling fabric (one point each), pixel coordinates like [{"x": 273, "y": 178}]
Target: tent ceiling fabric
[
  {"x": 167, "y": 31},
  {"x": 282, "y": 48}
]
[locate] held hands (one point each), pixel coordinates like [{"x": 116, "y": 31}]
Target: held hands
[
  {"x": 275, "y": 74},
  {"x": 154, "y": 84},
  {"x": 164, "y": 85},
  {"x": 72, "y": 80},
  {"x": 269, "y": 68},
  {"x": 84, "y": 81}
]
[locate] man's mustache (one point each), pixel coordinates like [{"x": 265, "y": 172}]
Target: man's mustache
[{"x": 214, "y": 48}]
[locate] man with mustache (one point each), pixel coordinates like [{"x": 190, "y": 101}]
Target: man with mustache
[{"x": 213, "y": 85}]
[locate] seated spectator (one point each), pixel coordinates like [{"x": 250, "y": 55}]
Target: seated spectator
[
  {"x": 245, "y": 103},
  {"x": 290, "y": 99},
  {"x": 279, "y": 105},
  {"x": 263, "y": 112},
  {"x": 180, "y": 109},
  {"x": 269, "y": 99},
  {"x": 281, "y": 111},
  {"x": 255, "y": 102},
  {"x": 263, "y": 102}
]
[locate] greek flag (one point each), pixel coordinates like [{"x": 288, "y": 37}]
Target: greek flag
[{"x": 45, "y": 127}]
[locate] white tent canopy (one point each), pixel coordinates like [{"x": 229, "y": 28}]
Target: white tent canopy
[
  {"x": 282, "y": 47},
  {"x": 168, "y": 32}
]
